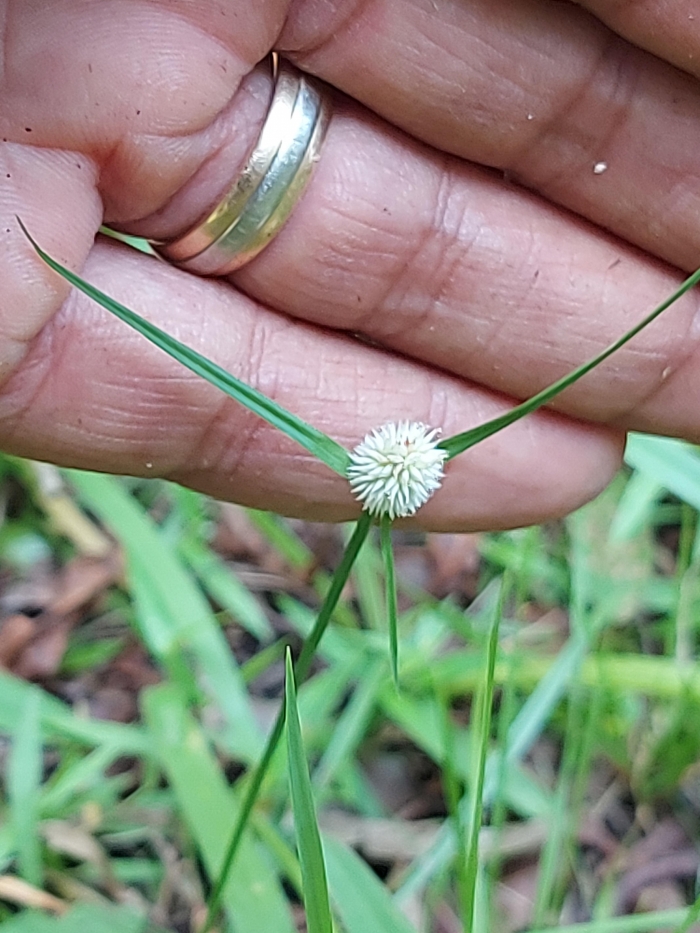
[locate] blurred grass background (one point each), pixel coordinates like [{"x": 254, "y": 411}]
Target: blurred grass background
[{"x": 142, "y": 637}]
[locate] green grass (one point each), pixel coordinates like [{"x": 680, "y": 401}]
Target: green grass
[
  {"x": 590, "y": 689},
  {"x": 565, "y": 686}
]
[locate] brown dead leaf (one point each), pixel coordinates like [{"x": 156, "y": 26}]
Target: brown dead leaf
[
  {"x": 83, "y": 579},
  {"x": 382, "y": 840},
  {"x": 78, "y": 843},
  {"x": 237, "y": 536},
  {"x": 664, "y": 856},
  {"x": 515, "y": 898},
  {"x": 16, "y": 631},
  {"x": 33, "y": 648},
  {"x": 66, "y": 516},
  {"x": 41, "y": 657},
  {"x": 455, "y": 562}
]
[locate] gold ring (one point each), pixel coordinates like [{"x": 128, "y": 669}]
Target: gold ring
[{"x": 274, "y": 177}]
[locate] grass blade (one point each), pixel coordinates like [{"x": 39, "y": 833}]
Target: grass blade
[
  {"x": 176, "y": 621},
  {"x": 301, "y": 669},
  {"x": 480, "y": 738},
  {"x": 24, "y": 781},
  {"x": 58, "y": 718},
  {"x": 452, "y": 786},
  {"x": 316, "y": 442},
  {"x": 362, "y": 902},
  {"x": 225, "y": 588},
  {"x": 313, "y": 869},
  {"x": 391, "y": 602},
  {"x": 672, "y": 463},
  {"x": 635, "y": 923},
  {"x": 351, "y": 726},
  {"x": 253, "y": 898},
  {"x": 97, "y": 918},
  {"x": 693, "y": 915},
  {"x": 340, "y": 577},
  {"x": 461, "y": 442}
]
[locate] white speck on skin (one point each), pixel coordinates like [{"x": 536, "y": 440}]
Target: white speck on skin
[
  {"x": 600, "y": 167},
  {"x": 666, "y": 372},
  {"x": 149, "y": 465},
  {"x": 531, "y": 116}
]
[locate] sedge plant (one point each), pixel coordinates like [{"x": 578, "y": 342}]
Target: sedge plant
[{"x": 394, "y": 471}]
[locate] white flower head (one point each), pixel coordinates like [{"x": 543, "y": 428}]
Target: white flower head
[{"x": 397, "y": 468}]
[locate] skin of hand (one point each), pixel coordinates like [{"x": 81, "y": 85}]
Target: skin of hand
[{"x": 506, "y": 187}]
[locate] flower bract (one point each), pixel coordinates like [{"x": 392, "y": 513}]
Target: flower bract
[{"x": 397, "y": 468}]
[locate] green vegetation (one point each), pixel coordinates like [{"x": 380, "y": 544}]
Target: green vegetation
[{"x": 551, "y": 704}]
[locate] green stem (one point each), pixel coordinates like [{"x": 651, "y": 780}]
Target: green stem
[
  {"x": 301, "y": 670},
  {"x": 484, "y": 708},
  {"x": 461, "y": 442}
]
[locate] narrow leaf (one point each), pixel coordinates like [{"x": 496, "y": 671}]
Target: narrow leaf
[
  {"x": 97, "y": 918},
  {"x": 635, "y": 923},
  {"x": 362, "y": 902},
  {"x": 24, "y": 783},
  {"x": 59, "y": 719},
  {"x": 461, "y": 442},
  {"x": 693, "y": 915},
  {"x": 253, "y": 898},
  {"x": 301, "y": 669},
  {"x": 316, "y": 442},
  {"x": 480, "y": 736},
  {"x": 313, "y": 869},
  {"x": 175, "y": 620}
]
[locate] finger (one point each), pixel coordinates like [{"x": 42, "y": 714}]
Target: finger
[
  {"x": 206, "y": 152},
  {"x": 93, "y": 103},
  {"x": 390, "y": 239},
  {"x": 539, "y": 89},
  {"x": 50, "y": 410},
  {"x": 668, "y": 30},
  {"x": 94, "y": 394},
  {"x": 440, "y": 261},
  {"x": 128, "y": 87},
  {"x": 53, "y": 192}
]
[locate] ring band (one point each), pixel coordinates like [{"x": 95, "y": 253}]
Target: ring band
[{"x": 273, "y": 179}]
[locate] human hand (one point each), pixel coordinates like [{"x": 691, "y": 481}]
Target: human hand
[{"x": 472, "y": 291}]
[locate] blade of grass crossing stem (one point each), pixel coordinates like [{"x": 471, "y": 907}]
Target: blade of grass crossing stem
[
  {"x": 453, "y": 792},
  {"x": 554, "y": 860},
  {"x": 693, "y": 915},
  {"x": 24, "y": 780},
  {"x": 313, "y": 869},
  {"x": 175, "y": 619},
  {"x": 484, "y": 704},
  {"x": 675, "y": 464},
  {"x": 351, "y": 726},
  {"x": 340, "y": 577},
  {"x": 636, "y": 923},
  {"x": 301, "y": 669},
  {"x": 461, "y": 442},
  {"x": 253, "y": 899},
  {"x": 97, "y": 918},
  {"x": 56, "y": 717},
  {"x": 391, "y": 606},
  {"x": 361, "y": 901},
  {"x": 316, "y": 442}
]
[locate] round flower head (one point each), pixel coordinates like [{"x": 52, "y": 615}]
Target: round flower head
[{"x": 397, "y": 468}]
